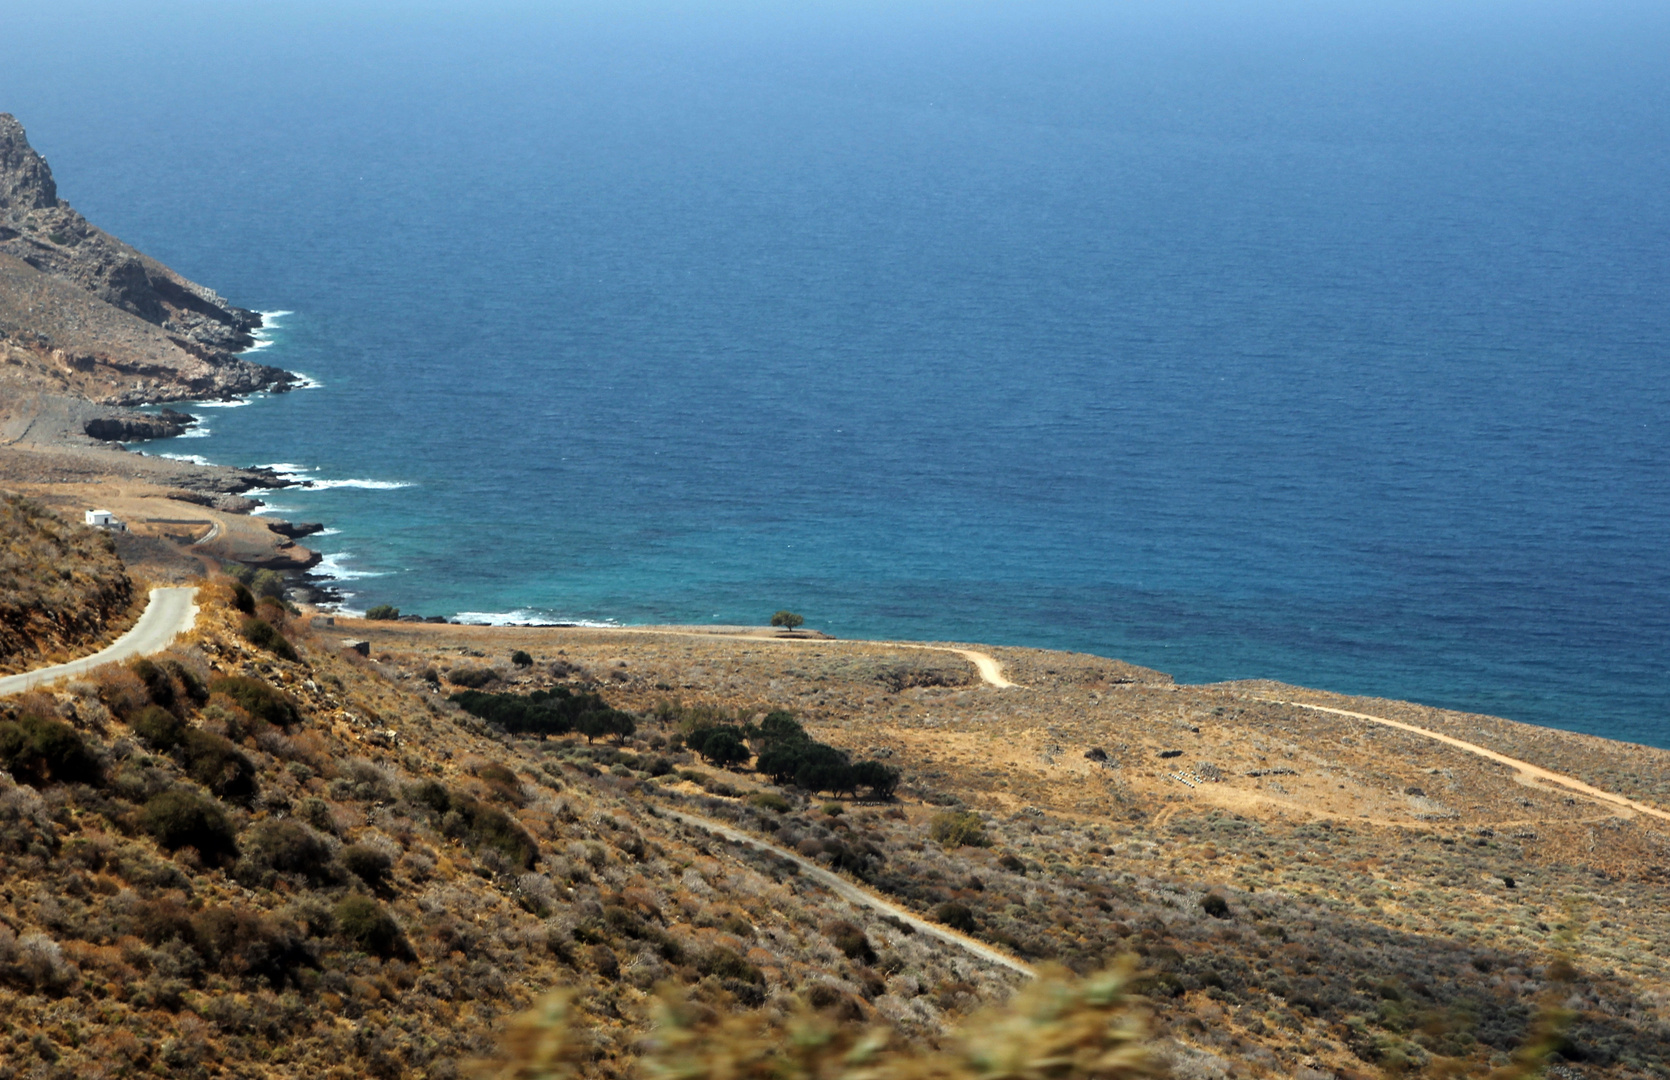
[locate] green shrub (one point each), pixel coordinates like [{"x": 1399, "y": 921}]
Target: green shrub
[
  {"x": 182, "y": 818},
  {"x": 241, "y": 941},
  {"x": 214, "y": 762},
  {"x": 289, "y": 847},
  {"x": 383, "y": 613},
  {"x": 956, "y": 916},
  {"x": 521, "y": 659},
  {"x": 852, "y": 941},
  {"x": 242, "y": 598},
  {"x": 365, "y": 924},
  {"x": 725, "y": 964},
  {"x": 471, "y": 678},
  {"x": 260, "y": 633},
  {"x": 953, "y": 829},
  {"x": 787, "y": 619},
  {"x": 770, "y": 800},
  {"x": 368, "y": 864},
  {"x": 259, "y": 700},
  {"x": 158, "y": 686},
  {"x": 39, "y": 751},
  {"x": 267, "y": 585},
  {"x": 189, "y": 681},
  {"x": 474, "y": 822}
]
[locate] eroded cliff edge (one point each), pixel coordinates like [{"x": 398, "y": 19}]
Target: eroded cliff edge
[{"x": 82, "y": 312}]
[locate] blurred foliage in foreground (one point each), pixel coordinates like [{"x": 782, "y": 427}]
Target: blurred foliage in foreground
[{"x": 1057, "y": 1028}]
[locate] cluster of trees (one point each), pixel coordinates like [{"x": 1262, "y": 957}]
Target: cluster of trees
[
  {"x": 550, "y": 712},
  {"x": 783, "y": 751}
]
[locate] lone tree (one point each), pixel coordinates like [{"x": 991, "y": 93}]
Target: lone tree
[{"x": 788, "y": 620}]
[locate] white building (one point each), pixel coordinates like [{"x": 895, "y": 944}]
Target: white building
[{"x": 104, "y": 519}]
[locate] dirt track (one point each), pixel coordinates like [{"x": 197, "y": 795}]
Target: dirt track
[{"x": 851, "y": 893}]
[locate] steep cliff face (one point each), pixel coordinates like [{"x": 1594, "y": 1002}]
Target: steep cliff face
[{"x": 77, "y": 298}]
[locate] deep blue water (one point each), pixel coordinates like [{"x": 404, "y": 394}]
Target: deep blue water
[{"x": 1324, "y": 342}]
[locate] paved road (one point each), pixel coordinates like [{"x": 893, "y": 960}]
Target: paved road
[
  {"x": 1526, "y": 770},
  {"x": 170, "y": 613},
  {"x": 852, "y": 894}
]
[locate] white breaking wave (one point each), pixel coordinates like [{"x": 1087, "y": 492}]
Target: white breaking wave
[
  {"x": 195, "y": 459},
  {"x": 298, "y": 475},
  {"x": 369, "y": 485},
  {"x": 334, "y": 567},
  {"x": 510, "y": 618},
  {"x": 305, "y": 382},
  {"x": 197, "y": 432},
  {"x": 328, "y": 532},
  {"x": 235, "y": 403},
  {"x": 268, "y": 508},
  {"x": 263, "y": 333}
]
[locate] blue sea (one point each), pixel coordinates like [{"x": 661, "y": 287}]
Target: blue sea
[{"x": 1318, "y": 341}]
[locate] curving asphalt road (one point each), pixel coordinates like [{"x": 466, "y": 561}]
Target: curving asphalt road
[
  {"x": 170, "y": 613},
  {"x": 852, "y": 894}
]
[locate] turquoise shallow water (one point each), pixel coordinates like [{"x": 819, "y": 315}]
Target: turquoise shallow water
[{"x": 1326, "y": 345}]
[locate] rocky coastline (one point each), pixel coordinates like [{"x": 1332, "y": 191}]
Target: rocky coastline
[{"x": 90, "y": 330}]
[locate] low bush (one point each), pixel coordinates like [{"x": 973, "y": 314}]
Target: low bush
[
  {"x": 368, "y": 926},
  {"x": 770, "y": 800},
  {"x": 383, "y": 613},
  {"x": 158, "y": 686},
  {"x": 289, "y": 847},
  {"x": 474, "y": 822},
  {"x": 181, "y": 818},
  {"x": 521, "y": 659},
  {"x": 952, "y": 829},
  {"x": 242, "y": 598},
  {"x": 956, "y": 916},
  {"x": 260, "y": 633},
  {"x": 368, "y": 864},
  {"x": 240, "y": 941},
  {"x": 40, "y": 751},
  {"x": 472, "y": 678},
  {"x": 259, "y": 700},
  {"x": 214, "y": 762},
  {"x": 1215, "y": 906},
  {"x": 852, "y": 941},
  {"x": 1058, "y": 1027}
]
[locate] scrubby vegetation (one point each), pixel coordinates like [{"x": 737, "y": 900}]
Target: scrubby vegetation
[
  {"x": 1092, "y": 1029},
  {"x": 61, "y": 585},
  {"x": 271, "y": 867}
]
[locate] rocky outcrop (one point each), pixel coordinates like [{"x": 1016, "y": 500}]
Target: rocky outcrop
[
  {"x": 296, "y": 530},
  {"x": 137, "y": 427},
  {"x": 64, "y": 285}
]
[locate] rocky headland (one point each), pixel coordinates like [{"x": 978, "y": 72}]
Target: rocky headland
[{"x": 90, "y": 328}]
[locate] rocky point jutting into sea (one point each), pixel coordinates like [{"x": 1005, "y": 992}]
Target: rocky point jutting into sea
[{"x": 89, "y": 328}]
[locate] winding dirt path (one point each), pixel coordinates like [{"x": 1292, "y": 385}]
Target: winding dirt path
[
  {"x": 852, "y": 894},
  {"x": 990, "y": 670},
  {"x": 1527, "y": 771},
  {"x": 170, "y": 613}
]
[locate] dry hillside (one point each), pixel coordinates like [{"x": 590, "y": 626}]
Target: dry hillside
[
  {"x": 266, "y": 855},
  {"x": 62, "y": 588}
]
